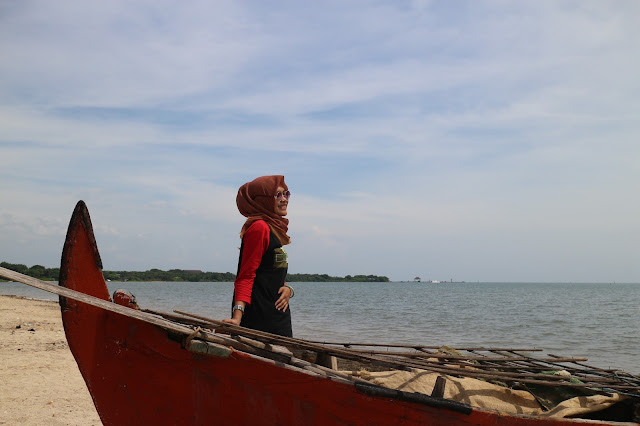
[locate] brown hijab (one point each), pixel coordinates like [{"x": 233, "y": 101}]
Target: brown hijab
[{"x": 256, "y": 201}]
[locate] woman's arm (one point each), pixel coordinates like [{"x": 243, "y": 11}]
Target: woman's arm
[{"x": 256, "y": 242}]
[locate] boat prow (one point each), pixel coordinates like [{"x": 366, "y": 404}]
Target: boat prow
[{"x": 141, "y": 369}]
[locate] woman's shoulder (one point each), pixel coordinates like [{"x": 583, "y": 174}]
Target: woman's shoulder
[
  {"x": 257, "y": 233},
  {"x": 259, "y": 226}
]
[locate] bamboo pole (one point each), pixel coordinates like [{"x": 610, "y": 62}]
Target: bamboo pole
[
  {"x": 418, "y": 347},
  {"x": 299, "y": 343},
  {"x": 523, "y": 378},
  {"x": 460, "y": 357},
  {"x": 411, "y": 365}
]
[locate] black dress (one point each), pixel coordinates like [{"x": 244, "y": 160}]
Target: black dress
[{"x": 262, "y": 314}]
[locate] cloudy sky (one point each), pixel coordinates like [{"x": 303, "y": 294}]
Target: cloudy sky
[{"x": 465, "y": 140}]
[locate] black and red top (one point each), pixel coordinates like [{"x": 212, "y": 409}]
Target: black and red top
[{"x": 262, "y": 270}]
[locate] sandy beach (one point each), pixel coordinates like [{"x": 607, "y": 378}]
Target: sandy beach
[{"x": 39, "y": 380}]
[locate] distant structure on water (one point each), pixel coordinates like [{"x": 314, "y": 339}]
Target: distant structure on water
[{"x": 418, "y": 279}]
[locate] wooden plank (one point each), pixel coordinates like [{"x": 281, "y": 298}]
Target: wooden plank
[
  {"x": 327, "y": 360},
  {"x": 438, "y": 388},
  {"x": 94, "y": 301},
  {"x": 285, "y": 341},
  {"x": 208, "y": 348},
  {"x": 220, "y": 339}
]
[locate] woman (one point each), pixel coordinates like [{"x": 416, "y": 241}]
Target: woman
[{"x": 261, "y": 296}]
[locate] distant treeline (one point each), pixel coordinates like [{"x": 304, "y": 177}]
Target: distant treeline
[
  {"x": 52, "y": 274},
  {"x": 319, "y": 278},
  {"x": 35, "y": 271}
]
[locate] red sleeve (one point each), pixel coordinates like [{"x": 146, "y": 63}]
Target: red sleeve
[{"x": 256, "y": 242}]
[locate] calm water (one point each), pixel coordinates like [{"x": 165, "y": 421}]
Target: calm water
[{"x": 597, "y": 321}]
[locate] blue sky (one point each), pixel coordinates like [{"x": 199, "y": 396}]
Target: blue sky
[{"x": 465, "y": 140}]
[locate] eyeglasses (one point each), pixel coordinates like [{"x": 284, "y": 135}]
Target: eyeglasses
[{"x": 286, "y": 194}]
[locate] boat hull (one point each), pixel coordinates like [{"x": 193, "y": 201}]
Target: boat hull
[{"x": 141, "y": 373}]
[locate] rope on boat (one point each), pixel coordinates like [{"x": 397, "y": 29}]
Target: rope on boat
[{"x": 190, "y": 337}]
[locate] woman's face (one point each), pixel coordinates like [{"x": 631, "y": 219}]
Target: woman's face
[{"x": 281, "y": 204}]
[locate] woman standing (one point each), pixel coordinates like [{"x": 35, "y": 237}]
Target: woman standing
[{"x": 261, "y": 295}]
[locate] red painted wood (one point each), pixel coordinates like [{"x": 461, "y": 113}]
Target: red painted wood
[{"x": 137, "y": 374}]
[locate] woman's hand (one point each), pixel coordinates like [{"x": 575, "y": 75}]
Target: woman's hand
[
  {"x": 283, "y": 301},
  {"x": 234, "y": 321},
  {"x": 238, "y": 311}
]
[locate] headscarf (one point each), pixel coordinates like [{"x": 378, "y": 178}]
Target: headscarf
[{"x": 256, "y": 201}]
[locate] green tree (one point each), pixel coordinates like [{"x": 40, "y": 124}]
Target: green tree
[
  {"x": 18, "y": 267},
  {"x": 37, "y": 271}
]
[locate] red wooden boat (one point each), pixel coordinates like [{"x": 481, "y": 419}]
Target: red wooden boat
[{"x": 144, "y": 367}]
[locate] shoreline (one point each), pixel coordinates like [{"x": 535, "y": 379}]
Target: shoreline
[{"x": 40, "y": 380}]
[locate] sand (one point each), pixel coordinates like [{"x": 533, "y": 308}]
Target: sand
[{"x": 39, "y": 379}]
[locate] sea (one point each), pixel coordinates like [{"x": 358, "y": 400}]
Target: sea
[{"x": 597, "y": 321}]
